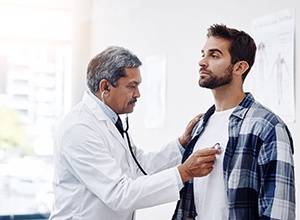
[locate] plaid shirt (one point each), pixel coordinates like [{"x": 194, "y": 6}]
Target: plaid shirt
[{"x": 258, "y": 166}]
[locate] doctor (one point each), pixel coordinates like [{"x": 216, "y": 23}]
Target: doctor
[{"x": 95, "y": 174}]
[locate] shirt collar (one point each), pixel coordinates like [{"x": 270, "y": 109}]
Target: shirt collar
[{"x": 107, "y": 110}]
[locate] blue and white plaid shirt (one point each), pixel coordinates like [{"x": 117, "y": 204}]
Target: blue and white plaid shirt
[{"x": 258, "y": 166}]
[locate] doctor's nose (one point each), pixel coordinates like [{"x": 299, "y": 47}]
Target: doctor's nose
[{"x": 137, "y": 93}]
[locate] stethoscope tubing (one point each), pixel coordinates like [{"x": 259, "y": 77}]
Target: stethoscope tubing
[
  {"x": 130, "y": 148},
  {"x": 128, "y": 140}
]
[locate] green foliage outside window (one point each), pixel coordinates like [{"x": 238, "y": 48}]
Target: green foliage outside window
[{"x": 13, "y": 136}]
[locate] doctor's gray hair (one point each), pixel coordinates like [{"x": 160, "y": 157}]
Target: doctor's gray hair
[{"x": 110, "y": 64}]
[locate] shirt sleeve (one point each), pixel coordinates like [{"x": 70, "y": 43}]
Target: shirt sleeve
[
  {"x": 179, "y": 180},
  {"x": 277, "y": 197},
  {"x": 180, "y": 147},
  {"x": 180, "y": 183}
]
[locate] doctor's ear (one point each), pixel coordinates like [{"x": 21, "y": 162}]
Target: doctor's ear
[{"x": 104, "y": 86}]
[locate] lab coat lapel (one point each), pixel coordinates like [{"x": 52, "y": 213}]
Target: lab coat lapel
[
  {"x": 113, "y": 129},
  {"x": 101, "y": 116}
]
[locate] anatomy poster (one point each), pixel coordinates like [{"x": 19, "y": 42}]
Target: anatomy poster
[{"x": 271, "y": 79}]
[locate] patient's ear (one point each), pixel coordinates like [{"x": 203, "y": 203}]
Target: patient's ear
[{"x": 240, "y": 67}]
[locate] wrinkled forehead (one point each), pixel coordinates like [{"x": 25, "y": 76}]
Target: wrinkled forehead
[{"x": 132, "y": 75}]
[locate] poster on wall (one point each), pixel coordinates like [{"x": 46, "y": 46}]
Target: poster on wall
[
  {"x": 155, "y": 67},
  {"x": 271, "y": 80}
]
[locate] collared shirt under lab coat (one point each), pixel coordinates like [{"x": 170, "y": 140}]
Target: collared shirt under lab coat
[{"x": 95, "y": 175}]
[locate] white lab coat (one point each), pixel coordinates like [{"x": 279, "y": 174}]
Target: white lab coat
[{"x": 95, "y": 176}]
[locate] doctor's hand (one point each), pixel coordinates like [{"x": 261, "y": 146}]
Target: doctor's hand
[
  {"x": 200, "y": 163},
  {"x": 186, "y": 136}
]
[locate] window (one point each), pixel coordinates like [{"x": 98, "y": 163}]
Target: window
[{"x": 35, "y": 63}]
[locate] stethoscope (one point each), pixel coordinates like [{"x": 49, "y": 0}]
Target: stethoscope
[
  {"x": 130, "y": 148},
  {"x": 128, "y": 139}
]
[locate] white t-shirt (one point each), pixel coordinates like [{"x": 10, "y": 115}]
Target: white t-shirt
[{"x": 209, "y": 191}]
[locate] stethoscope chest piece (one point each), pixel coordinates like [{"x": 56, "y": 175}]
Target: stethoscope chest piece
[{"x": 219, "y": 147}]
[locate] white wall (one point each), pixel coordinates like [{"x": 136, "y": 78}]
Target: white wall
[{"x": 177, "y": 29}]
